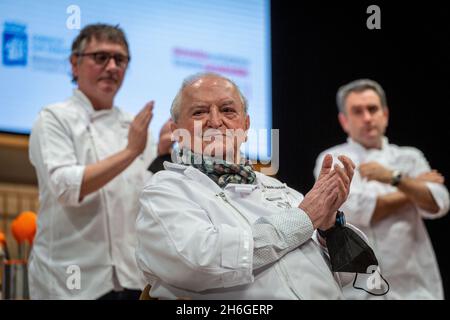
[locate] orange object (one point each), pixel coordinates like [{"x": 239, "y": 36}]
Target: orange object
[
  {"x": 2, "y": 238},
  {"x": 24, "y": 226}
]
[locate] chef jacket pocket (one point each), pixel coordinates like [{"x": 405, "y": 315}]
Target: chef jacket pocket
[{"x": 277, "y": 198}]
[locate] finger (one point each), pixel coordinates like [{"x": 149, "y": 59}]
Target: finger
[
  {"x": 325, "y": 179},
  {"x": 326, "y": 165},
  {"x": 341, "y": 193},
  {"x": 149, "y": 118},
  {"x": 146, "y": 109},
  {"x": 140, "y": 119},
  {"x": 348, "y": 165},
  {"x": 147, "y": 114},
  {"x": 342, "y": 175},
  {"x": 345, "y": 159},
  {"x": 343, "y": 190},
  {"x": 149, "y": 109},
  {"x": 348, "y": 173}
]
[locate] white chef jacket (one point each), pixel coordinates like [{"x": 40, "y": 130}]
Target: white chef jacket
[
  {"x": 195, "y": 240},
  {"x": 400, "y": 241},
  {"x": 97, "y": 235}
]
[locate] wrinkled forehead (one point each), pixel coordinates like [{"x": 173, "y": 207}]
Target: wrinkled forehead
[{"x": 210, "y": 89}]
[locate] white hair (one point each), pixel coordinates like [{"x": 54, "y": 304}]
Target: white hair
[{"x": 176, "y": 104}]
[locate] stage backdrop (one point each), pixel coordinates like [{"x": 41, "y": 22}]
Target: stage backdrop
[{"x": 168, "y": 41}]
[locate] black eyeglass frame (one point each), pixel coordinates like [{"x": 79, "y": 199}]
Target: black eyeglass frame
[{"x": 115, "y": 56}]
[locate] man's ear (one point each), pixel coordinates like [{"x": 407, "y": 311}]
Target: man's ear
[
  {"x": 343, "y": 121},
  {"x": 247, "y": 126},
  {"x": 247, "y": 122},
  {"x": 176, "y": 135},
  {"x": 386, "y": 114},
  {"x": 74, "y": 64},
  {"x": 173, "y": 126}
]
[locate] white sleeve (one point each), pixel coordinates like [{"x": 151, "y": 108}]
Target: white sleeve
[
  {"x": 441, "y": 196},
  {"x": 359, "y": 206},
  {"x": 438, "y": 191},
  {"x": 178, "y": 243},
  {"x": 278, "y": 234},
  {"x": 52, "y": 151}
]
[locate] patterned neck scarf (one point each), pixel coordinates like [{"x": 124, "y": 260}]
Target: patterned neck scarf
[{"x": 220, "y": 171}]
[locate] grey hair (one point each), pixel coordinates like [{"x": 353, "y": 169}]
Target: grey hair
[
  {"x": 176, "y": 104},
  {"x": 359, "y": 86}
]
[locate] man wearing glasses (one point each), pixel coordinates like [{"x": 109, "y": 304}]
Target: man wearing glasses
[{"x": 91, "y": 160}]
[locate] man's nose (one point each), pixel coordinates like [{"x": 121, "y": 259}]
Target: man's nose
[
  {"x": 367, "y": 116},
  {"x": 111, "y": 64},
  {"x": 215, "y": 118}
]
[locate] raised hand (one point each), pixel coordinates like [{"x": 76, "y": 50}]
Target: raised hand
[
  {"x": 138, "y": 132},
  {"x": 329, "y": 192}
]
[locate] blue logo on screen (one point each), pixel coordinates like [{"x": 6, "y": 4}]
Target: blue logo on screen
[{"x": 15, "y": 45}]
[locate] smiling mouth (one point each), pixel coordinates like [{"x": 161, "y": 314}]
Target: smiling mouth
[
  {"x": 217, "y": 136},
  {"x": 108, "y": 80}
]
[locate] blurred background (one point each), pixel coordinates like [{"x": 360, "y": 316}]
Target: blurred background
[{"x": 318, "y": 47}]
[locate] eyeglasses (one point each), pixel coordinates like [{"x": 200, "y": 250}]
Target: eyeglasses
[{"x": 102, "y": 58}]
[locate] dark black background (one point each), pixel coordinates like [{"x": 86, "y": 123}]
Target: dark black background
[{"x": 318, "y": 47}]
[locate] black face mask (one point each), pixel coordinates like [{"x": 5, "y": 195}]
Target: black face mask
[{"x": 349, "y": 252}]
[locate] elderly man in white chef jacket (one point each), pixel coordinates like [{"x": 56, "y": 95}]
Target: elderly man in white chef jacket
[
  {"x": 393, "y": 189},
  {"x": 91, "y": 160},
  {"x": 211, "y": 228}
]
